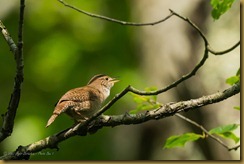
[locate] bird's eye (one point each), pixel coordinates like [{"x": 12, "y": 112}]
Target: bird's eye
[{"x": 106, "y": 78}]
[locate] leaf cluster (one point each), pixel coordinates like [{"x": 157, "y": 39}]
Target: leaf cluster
[
  {"x": 221, "y": 131},
  {"x": 145, "y": 103}
]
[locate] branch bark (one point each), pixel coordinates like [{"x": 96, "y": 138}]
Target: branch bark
[
  {"x": 9, "y": 116},
  {"x": 95, "y": 123},
  {"x": 24, "y": 152}
]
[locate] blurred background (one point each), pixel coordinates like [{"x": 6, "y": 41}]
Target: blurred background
[{"x": 63, "y": 49}]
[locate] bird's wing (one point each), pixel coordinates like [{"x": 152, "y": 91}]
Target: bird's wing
[{"x": 73, "y": 96}]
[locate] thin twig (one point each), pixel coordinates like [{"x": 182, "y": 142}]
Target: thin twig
[
  {"x": 115, "y": 20},
  {"x": 20, "y": 36},
  {"x": 206, "y": 131},
  {"x": 130, "y": 88},
  {"x": 9, "y": 116},
  {"x": 175, "y": 83},
  {"x": 8, "y": 38},
  {"x": 223, "y": 52},
  {"x": 172, "y": 13}
]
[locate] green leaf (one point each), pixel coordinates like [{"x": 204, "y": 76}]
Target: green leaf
[
  {"x": 230, "y": 135},
  {"x": 225, "y": 132},
  {"x": 139, "y": 99},
  {"x": 233, "y": 80},
  {"x": 153, "y": 97},
  {"x": 148, "y": 89},
  {"x": 144, "y": 107},
  {"x": 145, "y": 102},
  {"x": 180, "y": 140},
  {"x": 223, "y": 129},
  {"x": 237, "y": 107},
  {"x": 220, "y": 7}
]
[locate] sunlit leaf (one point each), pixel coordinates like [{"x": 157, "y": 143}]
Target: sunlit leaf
[
  {"x": 145, "y": 102},
  {"x": 220, "y": 7},
  {"x": 180, "y": 140},
  {"x": 144, "y": 107},
  {"x": 148, "y": 89},
  {"x": 232, "y": 80},
  {"x": 226, "y": 132},
  {"x": 230, "y": 135},
  {"x": 223, "y": 129},
  {"x": 138, "y": 98}
]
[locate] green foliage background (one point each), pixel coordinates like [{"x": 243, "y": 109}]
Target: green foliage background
[{"x": 62, "y": 50}]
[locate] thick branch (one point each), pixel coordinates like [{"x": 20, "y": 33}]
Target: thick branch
[
  {"x": 171, "y": 108},
  {"x": 126, "y": 119},
  {"x": 9, "y": 116}
]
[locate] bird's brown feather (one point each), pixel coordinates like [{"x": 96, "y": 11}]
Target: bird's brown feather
[{"x": 77, "y": 100}]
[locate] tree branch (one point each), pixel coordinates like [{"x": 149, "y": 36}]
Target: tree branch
[
  {"x": 8, "y": 38},
  {"x": 172, "y": 85},
  {"x": 206, "y": 131},
  {"x": 9, "y": 116},
  {"x": 223, "y": 52},
  {"x": 95, "y": 123},
  {"x": 23, "y": 152},
  {"x": 172, "y": 13},
  {"x": 114, "y": 20}
]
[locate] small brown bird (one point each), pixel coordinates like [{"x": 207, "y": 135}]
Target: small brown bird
[{"x": 81, "y": 103}]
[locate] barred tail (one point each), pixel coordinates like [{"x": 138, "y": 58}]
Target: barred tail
[{"x": 51, "y": 119}]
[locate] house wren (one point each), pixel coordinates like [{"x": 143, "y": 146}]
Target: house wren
[{"x": 81, "y": 103}]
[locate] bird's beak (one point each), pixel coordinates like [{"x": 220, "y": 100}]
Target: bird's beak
[{"x": 114, "y": 80}]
